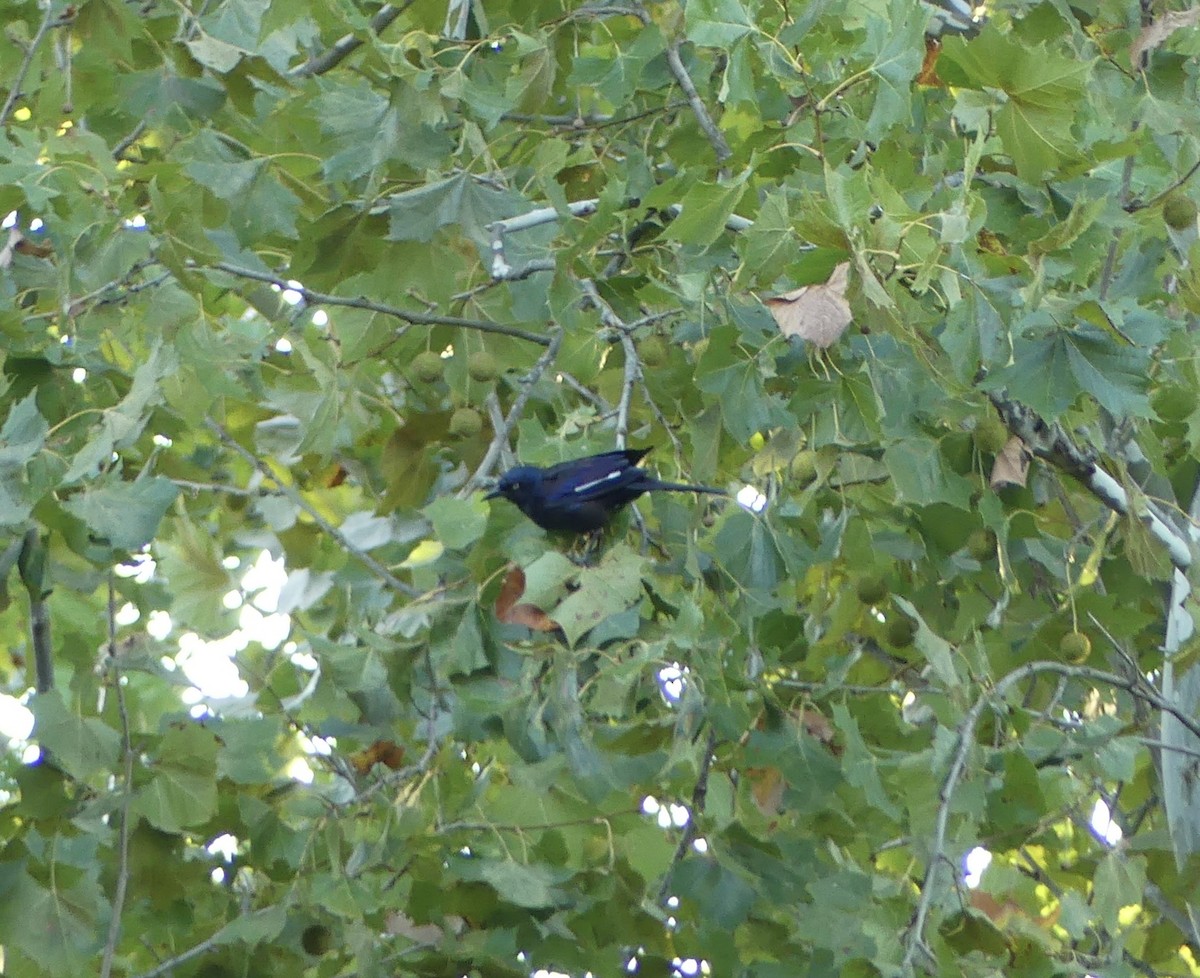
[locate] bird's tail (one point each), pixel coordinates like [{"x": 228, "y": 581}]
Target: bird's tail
[{"x": 682, "y": 487}]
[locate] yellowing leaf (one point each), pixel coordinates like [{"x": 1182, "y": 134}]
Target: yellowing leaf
[{"x": 425, "y": 552}]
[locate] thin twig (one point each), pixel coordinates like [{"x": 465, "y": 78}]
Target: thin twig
[
  {"x": 633, "y": 366},
  {"x": 166, "y": 967},
  {"x": 118, "y": 903},
  {"x": 326, "y": 527},
  {"x": 118, "y": 151},
  {"x": 965, "y": 740},
  {"x": 414, "y": 318},
  {"x": 699, "y": 796},
  {"x": 39, "y": 613},
  {"x": 1137, "y": 205},
  {"x": 633, "y": 373},
  {"x": 347, "y": 45},
  {"x": 715, "y": 137},
  {"x": 258, "y": 493},
  {"x": 14, "y": 91},
  {"x": 500, "y": 438}
]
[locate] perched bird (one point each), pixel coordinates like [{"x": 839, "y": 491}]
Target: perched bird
[{"x": 582, "y": 495}]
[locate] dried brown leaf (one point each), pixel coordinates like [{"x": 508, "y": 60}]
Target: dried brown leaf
[
  {"x": 385, "y": 752},
  {"x": 511, "y": 613},
  {"x": 817, "y": 313},
  {"x": 1011, "y": 467},
  {"x": 1158, "y": 30}
]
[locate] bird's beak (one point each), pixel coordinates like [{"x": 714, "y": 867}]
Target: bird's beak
[{"x": 494, "y": 494}]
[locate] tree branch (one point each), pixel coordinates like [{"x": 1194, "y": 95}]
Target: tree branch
[
  {"x": 633, "y": 366},
  {"x": 500, "y": 438},
  {"x": 413, "y": 318},
  {"x": 1051, "y": 443},
  {"x": 122, "y": 886},
  {"x": 14, "y": 91},
  {"x": 31, "y": 564},
  {"x": 361, "y": 555},
  {"x": 914, "y": 942},
  {"x": 347, "y": 45},
  {"x": 699, "y": 796}
]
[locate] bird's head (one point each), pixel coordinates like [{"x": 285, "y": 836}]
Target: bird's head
[{"x": 517, "y": 485}]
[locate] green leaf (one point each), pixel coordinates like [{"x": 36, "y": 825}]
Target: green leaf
[
  {"x": 42, "y": 923},
  {"x": 706, "y": 208},
  {"x": 213, "y": 53},
  {"x": 121, "y": 425},
  {"x": 196, "y": 574},
  {"x": 1115, "y": 375},
  {"x": 256, "y": 927},
  {"x": 921, "y": 476},
  {"x": 460, "y": 200},
  {"x": 604, "y": 591},
  {"x": 81, "y": 746},
  {"x": 23, "y": 433},
  {"x": 1044, "y": 89},
  {"x": 457, "y": 523},
  {"x": 125, "y": 514},
  {"x": 722, "y": 896},
  {"x": 898, "y": 49},
  {"x": 182, "y": 791},
  {"x": 862, "y": 767},
  {"x": 1083, "y": 215},
  {"x": 717, "y": 23},
  {"x": 523, "y": 885},
  {"x": 1120, "y": 881}
]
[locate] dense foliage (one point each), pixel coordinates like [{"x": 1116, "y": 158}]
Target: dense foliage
[{"x": 301, "y": 278}]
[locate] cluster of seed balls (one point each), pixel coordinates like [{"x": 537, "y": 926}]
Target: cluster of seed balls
[{"x": 429, "y": 367}]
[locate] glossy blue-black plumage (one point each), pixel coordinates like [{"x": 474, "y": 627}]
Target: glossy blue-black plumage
[{"x": 581, "y": 496}]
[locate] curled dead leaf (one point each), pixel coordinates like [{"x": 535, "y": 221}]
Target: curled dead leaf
[
  {"x": 1158, "y": 30},
  {"x": 1011, "y": 467},
  {"x": 817, "y": 313},
  {"x": 817, "y": 726},
  {"x": 928, "y": 75},
  {"x": 385, "y": 752},
  {"x": 509, "y": 611}
]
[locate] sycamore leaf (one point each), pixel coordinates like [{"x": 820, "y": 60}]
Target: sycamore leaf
[
  {"x": 817, "y": 313},
  {"x": 125, "y": 514}
]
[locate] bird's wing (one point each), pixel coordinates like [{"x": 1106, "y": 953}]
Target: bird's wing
[{"x": 594, "y": 477}]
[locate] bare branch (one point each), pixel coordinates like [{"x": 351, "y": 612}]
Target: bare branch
[
  {"x": 118, "y": 151},
  {"x": 699, "y": 796},
  {"x": 914, "y": 942},
  {"x": 500, "y": 439},
  {"x": 715, "y": 137},
  {"x": 413, "y": 318},
  {"x": 633, "y": 366},
  {"x": 347, "y": 45},
  {"x": 122, "y": 886},
  {"x": 14, "y": 90},
  {"x": 361, "y": 555},
  {"x": 1051, "y": 443}
]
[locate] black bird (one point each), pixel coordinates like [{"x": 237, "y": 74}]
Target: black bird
[{"x": 582, "y": 495}]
